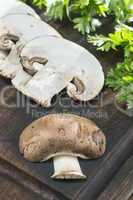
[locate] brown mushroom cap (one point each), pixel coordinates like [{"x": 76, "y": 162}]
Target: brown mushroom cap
[{"x": 62, "y": 134}]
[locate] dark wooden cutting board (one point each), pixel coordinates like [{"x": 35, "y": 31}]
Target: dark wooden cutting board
[
  {"x": 28, "y": 180},
  {"x": 121, "y": 186}
]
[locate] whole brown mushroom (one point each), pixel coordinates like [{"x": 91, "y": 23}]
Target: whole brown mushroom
[{"x": 63, "y": 137}]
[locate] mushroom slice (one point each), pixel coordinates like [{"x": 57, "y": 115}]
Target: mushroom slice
[
  {"x": 3, "y": 55},
  {"x": 88, "y": 80},
  {"x": 33, "y": 65},
  {"x": 63, "y": 137},
  {"x": 16, "y": 7},
  {"x": 20, "y": 79},
  {"x": 11, "y": 27},
  {"x": 9, "y": 65},
  {"x": 47, "y": 83},
  {"x": 67, "y": 62},
  {"x": 12, "y": 32}
]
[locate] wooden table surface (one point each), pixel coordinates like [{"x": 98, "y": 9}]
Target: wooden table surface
[{"x": 109, "y": 178}]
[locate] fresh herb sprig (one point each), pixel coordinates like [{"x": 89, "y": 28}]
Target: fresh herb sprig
[
  {"x": 126, "y": 95},
  {"x": 122, "y": 37},
  {"x": 81, "y": 12},
  {"x": 84, "y": 13},
  {"x": 119, "y": 78},
  {"x": 122, "y": 10}
]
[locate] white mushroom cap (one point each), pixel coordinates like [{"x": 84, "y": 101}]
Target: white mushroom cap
[
  {"x": 12, "y": 32},
  {"x": 45, "y": 84},
  {"x": 10, "y": 64},
  {"x": 3, "y": 55},
  {"x": 5, "y": 6},
  {"x": 15, "y": 7},
  {"x": 20, "y": 79},
  {"x": 66, "y": 62},
  {"x": 88, "y": 80},
  {"x": 11, "y": 25}
]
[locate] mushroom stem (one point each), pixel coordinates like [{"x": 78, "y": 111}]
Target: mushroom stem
[
  {"x": 3, "y": 55},
  {"x": 67, "y": 167}
]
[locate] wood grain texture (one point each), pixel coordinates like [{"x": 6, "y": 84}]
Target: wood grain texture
[
  {"x": 121, "y": 186},
  {"x": 131, "y": 197},
  {"x": 109, "y": 167},
  {"x": 11, "y": 190},
  {"x": 19, "y": 182}
]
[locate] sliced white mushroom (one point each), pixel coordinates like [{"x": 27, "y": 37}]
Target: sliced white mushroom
[
  {"x": 23, "y": 27},
  {"x": 67, "y": 62},
  {"x": 15, "y": 7},
  {"x": 3, "y": 55},
  {"x": 10, "y": 64},
  {"x": 21, "y": 79},
  {"x": 11, "y": 7},
  {"x": 63, "y": 137},
  {"x": 45, "y": 84},
  {"x": 88, "y": 80},
  {"x": 12, "y": 32},
  {"x": 5, "y": 6}
]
